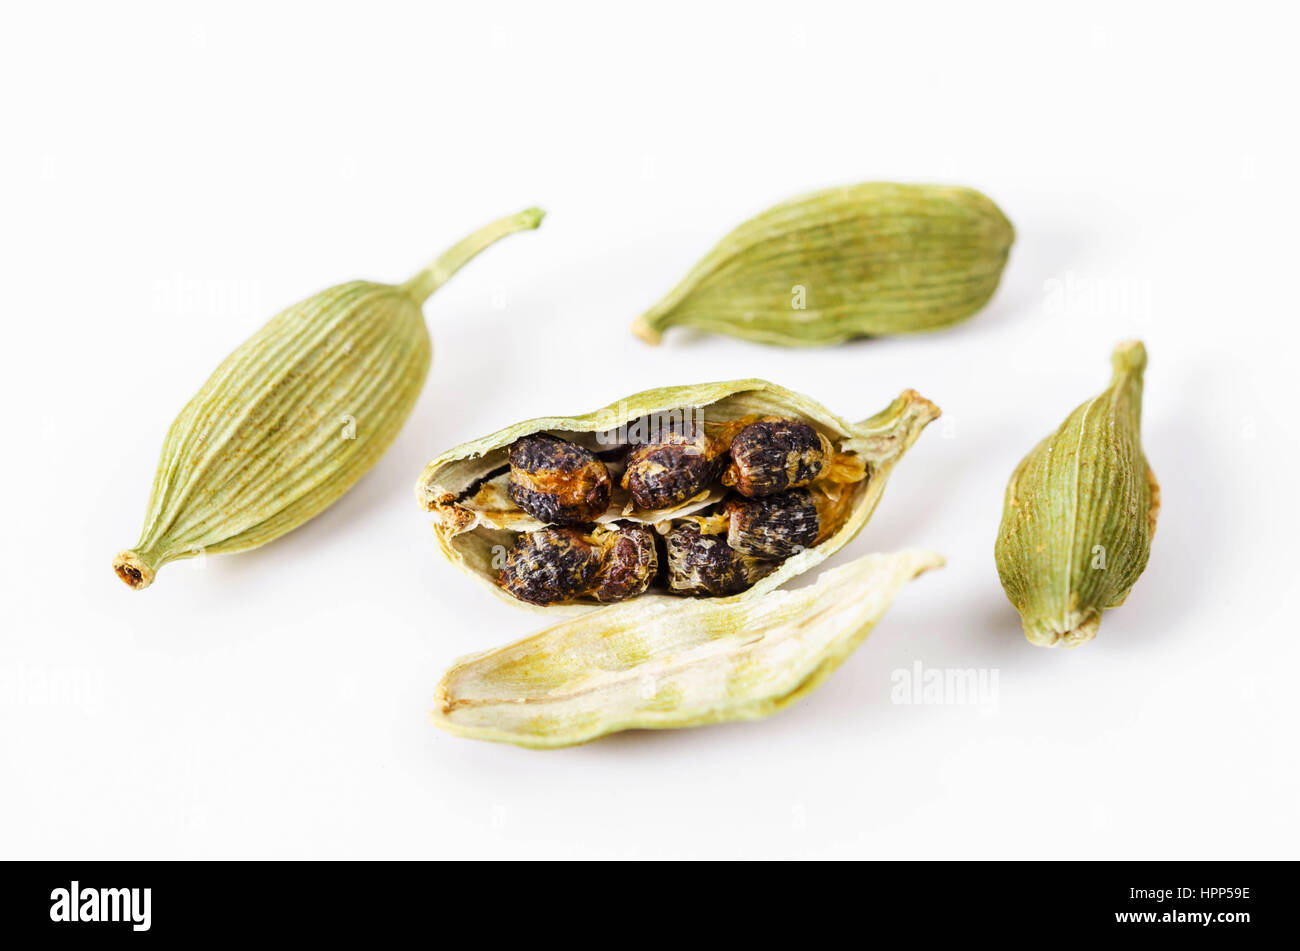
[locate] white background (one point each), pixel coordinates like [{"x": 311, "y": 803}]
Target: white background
[{"x": 170, "y": 179}]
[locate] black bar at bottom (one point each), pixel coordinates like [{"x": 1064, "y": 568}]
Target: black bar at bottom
[{"x": 974, "y": 900}]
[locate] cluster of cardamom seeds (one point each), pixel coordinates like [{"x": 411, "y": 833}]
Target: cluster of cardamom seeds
[{"x": 609, "y": 531}]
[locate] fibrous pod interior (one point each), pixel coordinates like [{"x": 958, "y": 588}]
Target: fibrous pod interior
[{"x": 662, "y": 663}]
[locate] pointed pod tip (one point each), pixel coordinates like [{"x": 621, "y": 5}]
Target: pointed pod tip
[
  {"x": 134, "y": 571},
  {"x": 925, "y": 560},
  {"x": 651, "y": 335},
  {"x": 919, "y": 405},
  {"x": 1129, "y": 357},
  {"x": 531, "y": 217}
]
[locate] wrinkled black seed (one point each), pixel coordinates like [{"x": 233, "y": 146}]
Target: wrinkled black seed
[
  {"x": 550, "y": 565},
  {"x": 775, "y": 526},
  {"x": 556, "y": 481},
  {"x": 628, "y": 564},
  {"x": 772, "y": 455},
  {"x": 705, "y": 564},
  {"x": 680, "y": 465}
]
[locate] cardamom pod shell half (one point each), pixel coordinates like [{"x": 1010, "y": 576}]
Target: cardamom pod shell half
[
  {"x": 1079, "y": 514},
  {"x": 476, "y": 521},
  {"x": 863, "y": 260},
  {"x": 661, "y": 663},
  {"x": 295, "y": 415}
]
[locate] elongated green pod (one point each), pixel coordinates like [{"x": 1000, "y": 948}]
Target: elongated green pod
[
  {"x": 864, "y": 260},
  {"x": 475, "y": 520},
  {"x": 295, "y": 415},
  {"x": 661, "y": 663},
  {"x": 1079, "y": 514}
]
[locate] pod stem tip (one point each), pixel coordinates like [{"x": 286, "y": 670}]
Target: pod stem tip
[
  {"x": 1129, "y": 357},
  {"x": 1051, "y": 635},
  {"x": 531, "y": 217},
  {"x": 134, "y": 571},
  {"x": 651, "y": 335},
  {"x": 423, "y": 284}
]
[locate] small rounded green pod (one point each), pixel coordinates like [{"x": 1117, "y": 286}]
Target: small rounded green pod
[{"x": 1079, "y": 514}]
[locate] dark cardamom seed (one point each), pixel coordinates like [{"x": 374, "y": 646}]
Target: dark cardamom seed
[
  {"x": 704, "y": 564},
  {"x": 776, "y": 526},
  {"x": 628, "y": 562},
  {"x": 679, "y": 465},
  {"x": 550, "y": 565},
  {"x": 556, "y": 481},
  {"x": 775, "y": 454}
]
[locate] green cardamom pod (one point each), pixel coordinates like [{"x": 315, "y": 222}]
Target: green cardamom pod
[
  {"x": 863, "y": 260},
  {"x": 1079, "y": 514},
  {"x": 295, "y": 415},
  {"x": 664, "y": 663},
  {"x": 478, "y": 520}
]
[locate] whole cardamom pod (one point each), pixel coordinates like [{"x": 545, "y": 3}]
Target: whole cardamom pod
[
  {"x": 1079, "y": 514},
  {"x": 295, "y": 415},
  {"x": 864, "y": 260}
]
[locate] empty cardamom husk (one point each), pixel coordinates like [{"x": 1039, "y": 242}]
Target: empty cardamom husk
[
  {"x": 863, "y": 260},
  {"x": 295, "y": 415},
  {"x": 661, "y": 663},
  {"x": 1079, "y": 514}
]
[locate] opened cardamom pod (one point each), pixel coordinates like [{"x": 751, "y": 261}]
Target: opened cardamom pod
[
  {"x": 864, "y": 260},
  {"x": 295, "y": 415},
  {"x": 1080, "y": 512},
  {"x": 662, "y": 663},
  {"x": 664, "y": 452}
]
